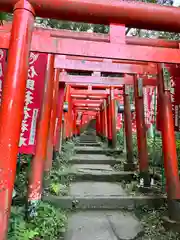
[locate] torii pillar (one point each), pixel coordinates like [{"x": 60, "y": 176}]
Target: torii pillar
[
  {"x": 169, "y": 145},
  {"x": 141, "y": 131},
  {"x": 129, "y": 165},
  {"x": 113, "y": 117},
  {"x": 12, "y": 107}
]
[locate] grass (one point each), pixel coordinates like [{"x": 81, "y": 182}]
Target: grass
[{"x": 152, "y": 224}]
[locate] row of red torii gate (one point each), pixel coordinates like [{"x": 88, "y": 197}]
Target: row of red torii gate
[{"x": 51, "y": 80}]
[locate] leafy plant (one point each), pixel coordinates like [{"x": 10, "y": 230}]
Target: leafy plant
[
  {"x": 60, "y": 179},
  {"x": 58, "y": 189},
  {"x": 120, "y": 137},
  {"x": 18, "y": 227},
  {"x": 151, "y": 220},
  {"x": 49, "y": 224}
]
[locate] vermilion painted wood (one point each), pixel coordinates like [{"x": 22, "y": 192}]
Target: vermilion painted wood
[
  {"x": 105, "y": 66},
  {"x": 37, "y": 163},
  {"x": 113, "y": 117},
  {"x": 128, "y": 129},
  {"x": 116, "y": 51},
  {"x": 58, "y": 134},
  {"x": 66, "y": 114},
  {"x": 93, "y": 92},
  {"x": 105, "y": 119},
  {"x": 137, "y": 15},
  {"x": 87, "y": 104},
  {"x": 104, "y": 81},
  {"x": 94, "y": 86},
  {"x": 101, "y": 122},
  {"x": 87, "y": 108},
  {"x": 49, "y": 153},
  {"x": 141, "y": 132},
  {"x": 75, "y": 96},
  {"x": 99, "y": 49},
  {"x": 109, "y": 120},
  {"x": 168, "y": 141},
  {"x": 98, "y": 37},
  {"x": 74, "y": 122},
  {"x": 12, "y": 107},
  {"x": 87, "y": 101}
]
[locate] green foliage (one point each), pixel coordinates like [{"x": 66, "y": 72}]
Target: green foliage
[
  {"x": 58, "y": 189},
  {"x": 23, "y": 166},
  {"x": 151, "y": 220},
  {"x": 154, "y": 147},
  {"x": 60, "y": 178},
  {"x": 18, "y": 229},
  {"x": 3, "y": 16},
  {"x": 155, "y": 151},
  {"x": 74, "y": 26},
  {"x": 55, "y": 188},
  {"x": 49, "y": 224},
  {"x": 135, "y": 147},
  {"x": 120, "y": 137}
]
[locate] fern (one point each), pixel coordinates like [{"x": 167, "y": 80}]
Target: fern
[
  {"x": 20, "y": 232},
  {"x": 51, "y": 222},
  {"x": 18, "y": 228}
]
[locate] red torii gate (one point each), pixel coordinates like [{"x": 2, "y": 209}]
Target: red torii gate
[
  {"x": 153, "y": 17},
  {"x": 102, "y": 96},
  {"x": 129, "y": 164},
  {"x": 103, "y": 82},
  {"x": 143, "y": 15},
  {"x": 108, "y": 66}
]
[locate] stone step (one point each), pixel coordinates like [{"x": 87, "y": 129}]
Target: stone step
[
  {"x": 98, "y": 175},
  {"x": 87, "y": 141},
  {"x": 89, "y": 168},
  {"x": 89, "y": 150},
  {"x": 85, "y": 189},
  {"x": 88, "y": 144},
  {"x": 96, "y": 150},
  {"x": 103, "y": 225},
  {"x": 90, "y": 138},
  {"x": 106, "y": 202},
  {"x": 95, "y": 159}
]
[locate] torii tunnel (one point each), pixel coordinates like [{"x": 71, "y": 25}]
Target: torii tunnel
[{"x": 113, "y": 62}]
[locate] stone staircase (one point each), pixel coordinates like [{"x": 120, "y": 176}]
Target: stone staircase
[
  {"x": 100, "y": 208},
  {"x": 97, "y": 196}
]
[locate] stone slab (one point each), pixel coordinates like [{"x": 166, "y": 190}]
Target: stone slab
[
  {"x": 92, "y": 167},
  {"x": 88, "y": 138},
  {"x": 96, "y": 150},
  {"x": 112, "y": 202},
  {"x": 88, "y": 148},
  {"x": 91, "y": 144},
  {"x": 102, "y": 225},
  {"x": 93, "y": 157},
  {"x": 98, "y": 175},
  {"x": 96, "y": 189}
]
